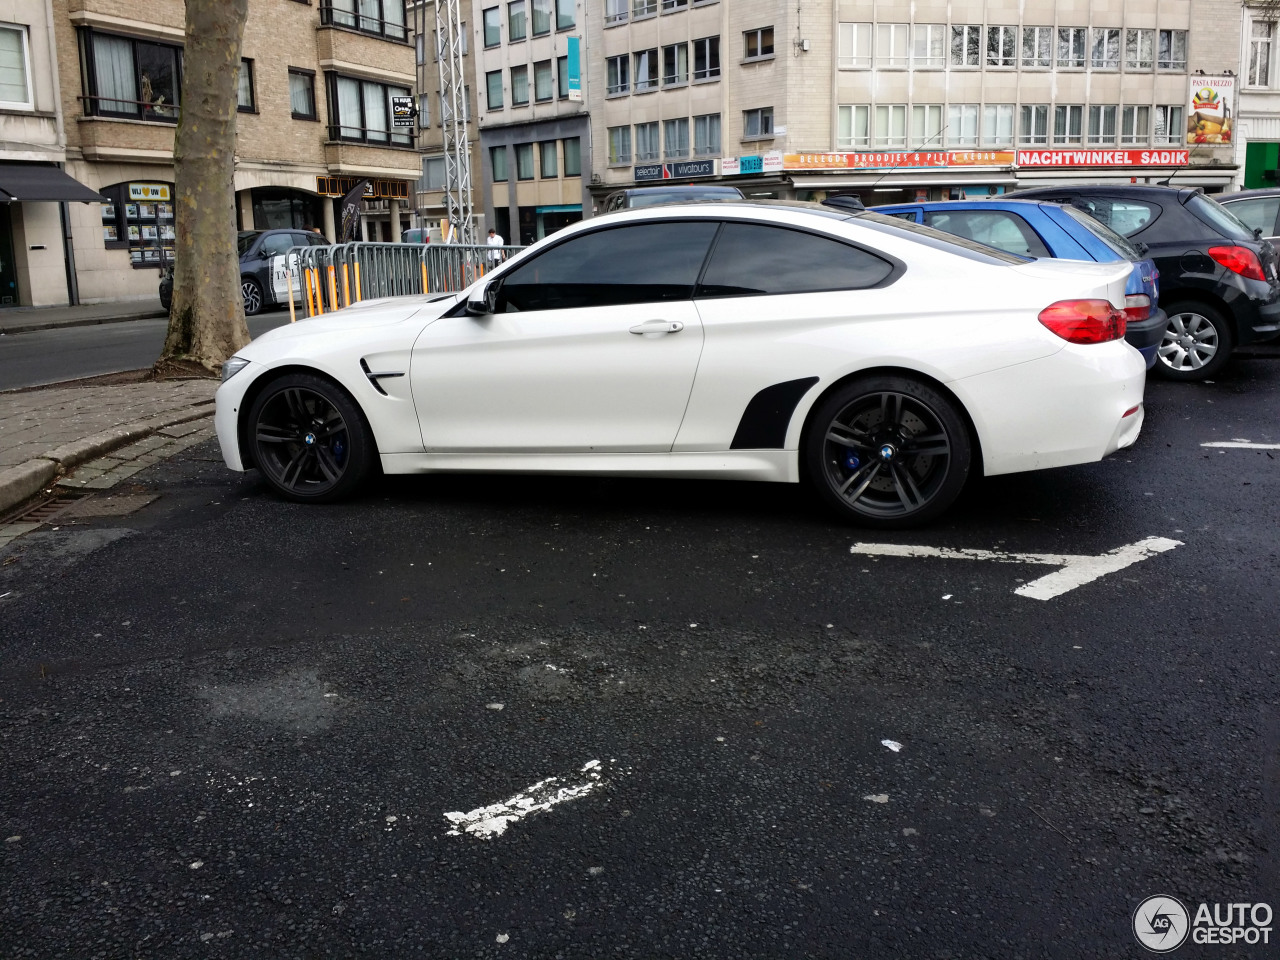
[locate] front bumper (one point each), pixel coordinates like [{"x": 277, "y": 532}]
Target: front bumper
[{"x": 226, "y": 417}]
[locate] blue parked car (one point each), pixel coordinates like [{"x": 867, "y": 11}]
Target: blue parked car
[{"x": 1032, "y": 228}]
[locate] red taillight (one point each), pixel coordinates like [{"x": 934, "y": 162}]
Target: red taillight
[
  {"x": 1239, "y": 260},
  {"x": 1084, "y": 321},
  {"x": 1137, "y": 306}
]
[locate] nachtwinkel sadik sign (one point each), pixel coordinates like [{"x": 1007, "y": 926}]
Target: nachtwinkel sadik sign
[{"x": 1006, "y": 159}]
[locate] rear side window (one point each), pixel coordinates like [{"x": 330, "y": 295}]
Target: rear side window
[
  {"x": 751, "y": 258},
  {"x": 638, "y": 263},
  {"x": 996, "y": 228},
  {"x": 1217, "y": 216},
  {"x": 1115, "y": 241},
  {"x": 1125, "y": 217},
  {"x": 937, "y": 239},
  {"x": 1256, "y": 213}
]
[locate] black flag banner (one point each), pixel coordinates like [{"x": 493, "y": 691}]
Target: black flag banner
[{"x": 351, "y": 213}]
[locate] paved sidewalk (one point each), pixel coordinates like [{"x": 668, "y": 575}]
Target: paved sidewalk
[
  {"x": 46, "y": 434},
  {"x": 27, "y": 319}
]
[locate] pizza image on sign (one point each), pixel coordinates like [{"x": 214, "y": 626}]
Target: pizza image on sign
[{"x": 1209, "y": 119}]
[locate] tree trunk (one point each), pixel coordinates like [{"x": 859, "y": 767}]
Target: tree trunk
[{"x": 206, "y": 319}]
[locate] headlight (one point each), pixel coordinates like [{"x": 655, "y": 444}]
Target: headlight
[{"x": 232, "y": 367}]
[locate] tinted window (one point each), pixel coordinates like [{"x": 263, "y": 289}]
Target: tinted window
[
  {"x": 996, "y": 228},
  {"x": 638, "y": 263},
  {"x": 1217, "y": 216},
  {"x": 1125, "y": 217},
  {"x": 1104, "y": 233},
  {"x": 754, "y": 258},
  {"x": 317, "y": 240},
  {"x": 1256, "y": 213}
]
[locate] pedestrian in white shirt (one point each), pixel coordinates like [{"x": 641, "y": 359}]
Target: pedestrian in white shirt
[{"x": 495, "y": 241}]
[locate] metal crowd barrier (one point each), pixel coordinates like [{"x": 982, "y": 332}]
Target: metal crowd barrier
[{"x": 329, "y": 278}]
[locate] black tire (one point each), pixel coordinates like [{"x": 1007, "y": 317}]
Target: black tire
[
  {"x": 309, "y": 439},
  {"x": 251, "y": 291},
  {"x": 1196, "y": 344},
  {"x": 888, "y": 452}
]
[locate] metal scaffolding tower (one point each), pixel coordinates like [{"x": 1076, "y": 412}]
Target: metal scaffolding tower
[{"x": 453, "y": 110}]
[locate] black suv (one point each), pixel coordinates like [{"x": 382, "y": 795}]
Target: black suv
[
  {"x": 1218, "y": 283},
  {"x": 256, "y": 249}
]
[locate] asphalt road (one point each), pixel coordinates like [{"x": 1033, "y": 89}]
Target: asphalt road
[
  {"x": 71, "y": 353},
  {"x": 234, "y": 727}
]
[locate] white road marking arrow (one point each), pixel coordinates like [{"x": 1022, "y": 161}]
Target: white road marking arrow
[
  {"x": 1077, "y": 570},
  {"x": 1241, "y": 445},
  {"x": 493, "y": 820}
]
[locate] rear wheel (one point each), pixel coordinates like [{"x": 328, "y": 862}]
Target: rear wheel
[
  {"x": 309, "y": 439},
  {"x": 888, "y": 451},
  {"x": 252, "y": 294},
  {"x": 1197, "y": 342}
]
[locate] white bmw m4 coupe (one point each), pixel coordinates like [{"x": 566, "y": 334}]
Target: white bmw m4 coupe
[{"x": 879, "y": 361}]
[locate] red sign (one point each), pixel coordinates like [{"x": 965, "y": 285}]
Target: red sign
[
  {"x": 1102, "y": 158},
  {"x": 880, "y": 161}
]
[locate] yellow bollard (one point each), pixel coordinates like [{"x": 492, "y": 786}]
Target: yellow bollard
[
  {"x": 423, "y": 264},
  {"x": 333, "y": 287},
  {"x": 346, "y": 286},
  {"x": 289, "y": 285},
  {"x": 359, "y": 297}
]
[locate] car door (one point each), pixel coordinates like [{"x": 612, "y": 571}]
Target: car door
[{"x": 592, "y": 347}]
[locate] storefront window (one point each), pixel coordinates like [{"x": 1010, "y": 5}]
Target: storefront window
[
  {"x": 138, "y": 217},
  {"x": 276, "y": 208}
]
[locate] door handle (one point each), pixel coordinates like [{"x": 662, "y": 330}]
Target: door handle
[{"x": 658, "y": 326}]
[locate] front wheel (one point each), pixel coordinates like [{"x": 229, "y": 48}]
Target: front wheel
[
  {"x": 309, "y": 439},
  {"x": 888, "y": 452},
  {"x": 1197, "y": 342},
  {"x": 252, "y": 294}
]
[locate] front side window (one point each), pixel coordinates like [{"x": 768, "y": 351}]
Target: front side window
[
  {"x": 675, "y": 65},
  {"x": 1071, "y": 41},
  {"x": 1139, "y": 49},
  {"x": 541, "y": 17},
  {"x": 492, "y": 27},
  {"x": 519, "y": 85},
  {"x": 855, "y": 46},
  {"x": 1106, "y": 48},
  {"x": 966, "y": 45},
  {"x": 15, "y": 76},
  {"x": 132, "y": 78},
  {"x": 647, "y": 146},
  {"x": 498, "y": 163},
  {"x": 706, "y": 135},
  {"x": 1173, "y": 49},
  {"x": 929, "y": 45},
  {"x": 756, "y": 259},
  {"x": 547, "y": 166},
  {"x": 1068, "y": 121},
  {"x": 1102, "y": 123},
  {"x": 244, "y": 88},
  {"x": 517, "y": 24},
  {"x": 1002, "y": 46},
  {"x": 619, "y": 145},
  {"x": 493, "y": 89},
  {"x": 302, "y": 94},
  {"x": 1033, "y": 124},
  {"x": 618, "y": 75},
  {"x": 962, "y": 124},
  {"x": 1135, "y": 124},
  {"x": 646, "y": 70},
  {"x": 361, "y": 110},
  {"x": 997, "y": 124},
  {"x": 524, "y": 161},
  {"x": 542, "y": 83},
  {"x": 853, "y": 126},
  {"x": 757, "y": 43},
  {"x": 640, "y": 263},
  {"x": 757, "y": 123},
  {"x": 572, "y": 157},
  {"x": 1037, "y": 47},
  {"x": 675, "y": 138},
  {"x": 706, "y": 58}
]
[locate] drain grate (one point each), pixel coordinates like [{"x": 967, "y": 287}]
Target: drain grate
[
  {"x": 109, "y": 506},
  {"x": 47, "y": 510}
]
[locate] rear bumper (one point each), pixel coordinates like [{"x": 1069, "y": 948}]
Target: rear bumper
[
  {"x": 1257, "y": 312},
  {"x": 1145, "y": 335}
]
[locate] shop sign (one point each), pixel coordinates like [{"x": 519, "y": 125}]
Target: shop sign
[
  {"x": 1102, "y": 158},
  {"x": 573, "y": 64},
  {"x": 675, "y": 171},
  {"x": 149, "y": 191},
  {"x": 890, "y": 161},
  {"x": 1210, "y": 118},
  {"x": 374, "y": 189},
  {"x": 772, "y": 161}
]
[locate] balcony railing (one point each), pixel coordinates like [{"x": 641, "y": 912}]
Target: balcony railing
[{"x": 345, "y": 133}]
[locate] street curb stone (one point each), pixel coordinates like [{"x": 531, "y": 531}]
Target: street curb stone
[
  {"x": 37, "y": 325},
  {"x": 25, "y": 480}
]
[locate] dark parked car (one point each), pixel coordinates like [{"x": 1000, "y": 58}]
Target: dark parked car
[
  {"x": 1256, "y": 209},
  {"x": 653, "y": 196},
  {"x": 257, "y": 248},
  {"x": 1032, "y": 228},
  {"x": 1217, "y": 277}
]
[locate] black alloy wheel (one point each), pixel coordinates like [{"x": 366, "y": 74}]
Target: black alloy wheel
[
  {"x": 252, "y": 294},
  {"x": 888, "y": 452},
  {"x": 309, "y": 439},
  {"x": 1197, "y": 342}
]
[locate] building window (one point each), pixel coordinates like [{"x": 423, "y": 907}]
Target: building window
[
  {"x": 144, "y": 227},
  {"x": 565, "y": 14},
  {"x": 1261, "y": 37},
  {"x": 1068, "y": 122},
  {"x": 962, "y": 124},
  {"x": 424, "y": 111},
  {"x": 130, "y": 78},
  {"x": 1106, "y": 48},
  {"x": 855, "y": 46},
  {"x": 517, "y": 25},
  {"x": 757, "y": 123},
  {"x": 675, "y": 138},
  {"x": 852, "y": 125},
  {"x": 498, "y": 163},
  {"x": 890, "y": 129},
  {"x": 926, "y": 124},
  {"x": 706, "y": 58},
  {"x": 646, "y": 70},
  {"x": 541, "y": 17},
  {"x": 244, "y": 88},
  {"x": 1102, "y": 124},
  {"x": 1173, "y": 49},
  {"x": 1071, "y": 41},
  {"x": 1037, "y": 46},
  {"x": 997, "y": 124},
  {"x": 1169, "y": 125},
  {"x": 1002, "y": 46},
  {"x": 643, "y": 8},
  {"x": 572, "y": 157},
  {"x": 1139, "y": 49},
  {"x": 542, "y": 82},
  {"x": 706, "y": 135},
  {"x": 493, "y": 89},
  {"x": 15, "y": 70},
  {"x": 1135, "y": 125},
  {"x": 492, "y": 27},
  {"x": 647, "y": 146},
  {"x": 432, "y": 174},
  {"x": 893, "y": 45},
  {"x": 562, "y": 77},
  {"x": 668, "y": 5},
  {"x": 757, "y": 44},
  {"x": 524, "y": 161},
  {"x": 361, "y": 110},
  {"x": 383, "y": 18},
  {"x": 929, "y": 45},
  {"x": 618, "y": 75},
  {"x": 446, "y": 111},
  {"x": 615, "y": 11},
  {"x": 675, "y": 65},
  {"x": 548, "y": 168},
  {"x": 519, "y": 86},
  {"x": 302, "y": 94},
  {"x": 619, "y": 145},
  {"x": 1033, "y": 124},
  {"x": 966, "y": 45}
]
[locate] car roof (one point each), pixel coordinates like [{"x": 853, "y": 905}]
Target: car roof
[
  {"x": 976, "y": 203},
  {"x": 1243, "y": 194},
  {"x": 723, "y": 188},
  {"x": 1111, "y": 189}
]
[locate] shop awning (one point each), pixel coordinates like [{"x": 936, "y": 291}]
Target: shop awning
[{"x": 28, "y": 182}]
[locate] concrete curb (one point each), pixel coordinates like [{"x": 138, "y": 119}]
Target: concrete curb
[
  {"x": 28, "y": 479},
  {"x": 37, "y": 325}
]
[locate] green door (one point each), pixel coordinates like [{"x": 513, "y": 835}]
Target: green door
[
  {"x": 1260, "y": 162},
  {"x": 8, "y": 269}
]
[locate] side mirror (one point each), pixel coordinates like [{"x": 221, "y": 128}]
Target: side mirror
[{"x": 483, "y": 301}]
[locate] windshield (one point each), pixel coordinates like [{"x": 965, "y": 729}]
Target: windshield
[
  {"x": 939, "y": 238},
  {"x": 1218, "y": 217},
  {"x": 1104, "y": 233},
  {"x": 244, "y": 240}
]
